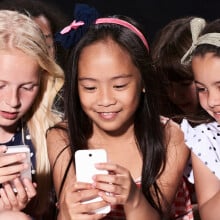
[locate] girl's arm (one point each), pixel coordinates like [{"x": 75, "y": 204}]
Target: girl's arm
[
  {"x": 59, "y": 156},
  {"x": 177, "y": 157},
  {"x": 124, "y": 191},
  {"x": 69, "y": 200},
  {"x": 140, "y": 209},
  {"x": 207, "y": 190}
]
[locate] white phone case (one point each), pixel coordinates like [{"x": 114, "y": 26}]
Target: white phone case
[{"x": 85, "y": 169}]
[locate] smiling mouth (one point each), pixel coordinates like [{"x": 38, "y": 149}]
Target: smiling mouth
[
  {"x": 216, "y": 113},
  {"x": 108, "y": 115}
]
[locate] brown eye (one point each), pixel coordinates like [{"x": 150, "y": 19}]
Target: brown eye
[
  {"x": 200, "y": 89},
  {"x": 89, "y": 88},
  {"x": 119, "y": 86}
]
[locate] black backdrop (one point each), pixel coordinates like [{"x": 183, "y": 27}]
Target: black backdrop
[{"x": 153, "y": 14}]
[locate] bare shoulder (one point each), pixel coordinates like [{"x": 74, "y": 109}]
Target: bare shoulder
[
  {"x": 173, "y": 133},
  {"x": 60, "y": 155},
  {"x": 57, "y": 141},
  {"x": 175, "y": 142},
  {"x": 58, "y": 132}
]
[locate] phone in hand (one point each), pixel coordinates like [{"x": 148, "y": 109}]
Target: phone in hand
[
  {"x": 85, "y": 168},
  {"x": 22, "y": 149}
]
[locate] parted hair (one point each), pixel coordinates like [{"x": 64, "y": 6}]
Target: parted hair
[
  {"x": 147, "y": 126},
  {"x": 19, "y": 31}
]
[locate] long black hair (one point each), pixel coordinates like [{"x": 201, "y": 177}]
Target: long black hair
[{"x": 147, "y": 126}]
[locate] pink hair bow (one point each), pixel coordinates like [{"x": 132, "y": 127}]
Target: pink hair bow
[{"x": 74, "y": 25}]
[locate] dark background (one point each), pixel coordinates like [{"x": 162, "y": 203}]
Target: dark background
[{"x": 153, "y": 14}]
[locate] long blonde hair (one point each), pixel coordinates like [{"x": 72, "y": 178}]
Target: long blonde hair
[{"x": 19, "y": 31}]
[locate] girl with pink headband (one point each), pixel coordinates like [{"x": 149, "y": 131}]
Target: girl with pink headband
[
  {"x": 71, "y": 34},
  {"x": 75, "y": 25},
  {"x": 111, "y": 103}
]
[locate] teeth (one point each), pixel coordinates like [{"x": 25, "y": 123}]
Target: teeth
[
  {"x": 217, "y": 113},
  {"x": 107, "y": 113}
]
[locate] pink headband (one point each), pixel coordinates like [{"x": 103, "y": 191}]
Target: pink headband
[
  {"x": 75, "y": 25},
  {"x": 125, "y": 24}
]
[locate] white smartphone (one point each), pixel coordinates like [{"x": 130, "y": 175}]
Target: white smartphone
[
  {"x": 85, "y": 168},
  {"x": 22, "y": 149}
]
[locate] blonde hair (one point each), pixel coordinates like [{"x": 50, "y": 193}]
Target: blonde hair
[{"x": 19, "y": 31}]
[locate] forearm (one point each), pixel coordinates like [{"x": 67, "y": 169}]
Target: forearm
[
  {"x": 212, "y": 204},
  {"x": 60, "y": 216},
  {"x": 141, "y": 210},
  {"x": 63, "y": 212}
]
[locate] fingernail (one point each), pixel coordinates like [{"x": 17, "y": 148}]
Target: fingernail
[{"x": 5, "y": 148}]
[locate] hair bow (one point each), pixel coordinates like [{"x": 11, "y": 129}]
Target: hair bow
[
  {"x": 70, "y": 35},
  {"x": 74, "y": 25},
  {"x": 196, "y": 26}
]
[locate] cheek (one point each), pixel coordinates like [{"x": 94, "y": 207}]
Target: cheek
[
  {"x": 86, "y": 100},
  {"x": 203, "y": 101},
  {"x": 130, "y": 99},
  {"x": 28, "y": 99}
]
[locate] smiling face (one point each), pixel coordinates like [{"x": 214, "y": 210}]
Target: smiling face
[
  {"x": 19, "y": 85},
  {"x": 109, "y": 86},
  {"x": 207, "y": 78}
]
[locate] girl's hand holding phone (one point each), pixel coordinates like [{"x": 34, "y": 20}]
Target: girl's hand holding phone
[
  {"x": 12, "y": 164},
  {"x": 73, "y": 206},
  {"x": 25, "y": 190},
  {"x": 85, "y": 161},
  {"x": 114, "y": 183},
  {"x": 119, "y": 185},
  {"x": 17, "y": 188}
]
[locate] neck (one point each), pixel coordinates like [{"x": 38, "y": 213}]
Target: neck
[
  {"x": 102, "y": 138},
  {"x": 6, "y": 133}
]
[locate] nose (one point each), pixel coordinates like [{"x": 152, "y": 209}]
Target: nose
[
  {"x": 213, "y": 99},
  {"x": 12, "y": 98},
  {"x": 106, "y": 97}
]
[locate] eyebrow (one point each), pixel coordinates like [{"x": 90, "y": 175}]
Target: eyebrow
[
  {"x": 113, "y": 78},
  {"x": 24, "y": 83},
  {"x": 218, "y": 82}
]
